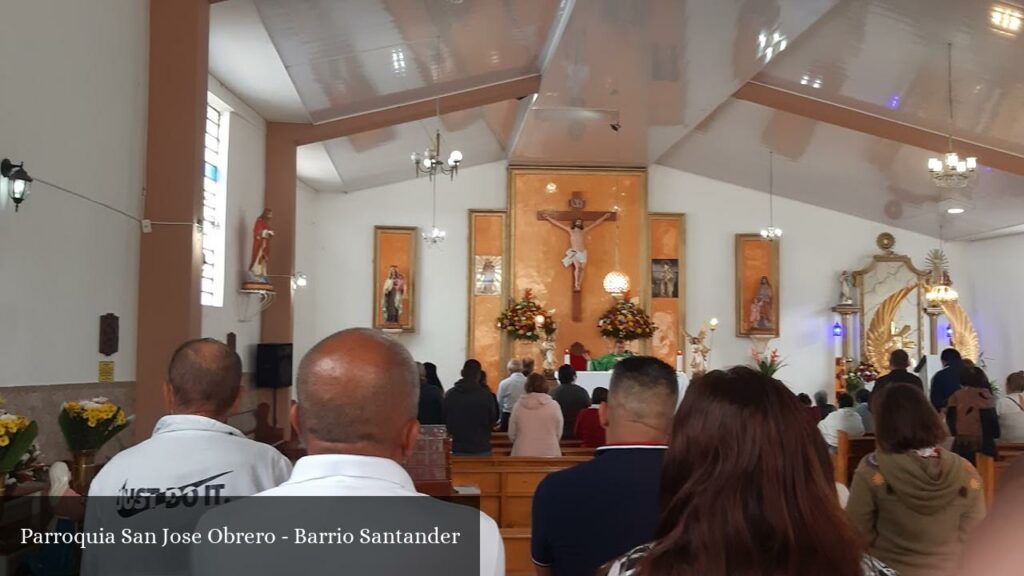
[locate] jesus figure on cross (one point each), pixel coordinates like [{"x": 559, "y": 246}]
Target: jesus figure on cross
[{"x": 576, "y": 255}]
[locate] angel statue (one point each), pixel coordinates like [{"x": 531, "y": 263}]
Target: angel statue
[
  {"x": 699, "y": 352},
  {"x": 846, "y": 288},
  {"x": 548, "y": 348}
]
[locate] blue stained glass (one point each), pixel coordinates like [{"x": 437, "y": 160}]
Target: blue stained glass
[{"x": 211, "y": 171}]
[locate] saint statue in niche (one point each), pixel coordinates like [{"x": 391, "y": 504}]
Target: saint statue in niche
[
  {"x": 576, "y": 255},
  {"x": 261, "y": 236},
  {"x": 845, "y": 288},
  {"x": 394, "y": 294},
  {"x": 761, "y": 307}
]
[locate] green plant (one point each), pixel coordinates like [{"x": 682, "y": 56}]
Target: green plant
[{"x": 89, "y": 424}]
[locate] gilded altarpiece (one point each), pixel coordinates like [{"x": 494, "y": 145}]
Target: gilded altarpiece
[{"x": 538, "y": 247}]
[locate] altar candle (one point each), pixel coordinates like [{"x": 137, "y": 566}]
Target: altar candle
[
  {"x": 679, "y": 360},
  {"x": 565, "y": 358}
]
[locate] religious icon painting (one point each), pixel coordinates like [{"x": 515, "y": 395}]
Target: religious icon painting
[
  {"x": 487, "y": 272},
  {"x": 757, "y": 286},
  {"x": 665, "y": 278},
  {"x": 394, "y": 270}
]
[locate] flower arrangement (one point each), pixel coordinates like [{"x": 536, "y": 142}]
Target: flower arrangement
[
  {"x": 526, "y": 319},
  {"x": 89, "y": 424},
  {"x": 626, "y": 321},
  {"x": 768, "y": 364},
  {"x": 860, "y": 376},
  {"x": 17, "y": 433}
]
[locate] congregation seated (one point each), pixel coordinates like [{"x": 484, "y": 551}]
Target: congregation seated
[
  {"x": 863, "y": 408},
  {"x": 587, "y": 515},
  {"x": 536, "y": 423},
  {"x": 511, "y": 388},
  {"x": 431, "y": 404},
  {"x": 812, "y": 412},
  {"x": 946, "y": 381},
  {"x": 1010, "y": 409},
  {"x": 899, "y": 364},
  {"x": 971, "y": 415},
  {"x": 470, "y": 413},
  {"x": 913, "y": 501},
  {"x": 822, "y": 405},
  {"x": 745, "y": 490},
  {"x": 192, "y": 444},
  {"x": 572, "y": 399},
  {"x": 356, "y": 415},
  {"x": 845, "y": 419},
  {"x": 589, "y": 430}
]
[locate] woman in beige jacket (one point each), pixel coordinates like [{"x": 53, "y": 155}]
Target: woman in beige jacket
[
  {"x": 914, "y": 502},
  {"x": 536, "y": 423}
]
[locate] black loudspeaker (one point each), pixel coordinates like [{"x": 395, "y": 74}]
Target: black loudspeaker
[{"x": 273, "y": 365}]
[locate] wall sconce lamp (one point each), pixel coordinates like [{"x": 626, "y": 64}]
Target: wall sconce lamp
[
  {"x": 300, "y": 280},
  {"x": 19, "y": 183},
  {"x": 837, "y": 330}
]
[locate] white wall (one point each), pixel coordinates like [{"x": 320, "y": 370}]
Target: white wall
[
  {"x": 73, "y": 108},
  {"x": 309, "y": 252},
  {"x": 335, "y": 248},
  {"x": 246, "y": 173},
  {"x": 341, "y": 275},
  {"x": 817, "y": 245},
  {"x": 993, "y": 277}
]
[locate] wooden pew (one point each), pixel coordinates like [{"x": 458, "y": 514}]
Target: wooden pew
[
  {"x": 849, "y": 454},
  {"x": 507, "y": 485},
  {"x": 566, "y": 451},
  {"x": 991, "y": 469}
]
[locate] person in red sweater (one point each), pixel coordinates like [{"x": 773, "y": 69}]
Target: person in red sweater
[{"x": 588, "y": 425}]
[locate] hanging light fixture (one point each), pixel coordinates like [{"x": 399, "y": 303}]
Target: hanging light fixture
[
  {"x": 771, "y": 233},
  {"x": 436, "y": 235},
  {"x": 951, "y": 171},
  {"x": 941, "y": 287},
  {"x": 430, "y": 163},
  {"x": 19, "y": 183}
]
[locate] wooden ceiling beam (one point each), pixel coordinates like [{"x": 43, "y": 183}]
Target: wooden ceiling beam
[
  {"x": 866, "y": 123},
  {"x": 411, "y": 111}
]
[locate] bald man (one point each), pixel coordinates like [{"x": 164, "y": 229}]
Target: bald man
[
  {"x": 358, "y": 397},
  {"x": 577, "y": 526},
  {"x": 193, "y": 451}
]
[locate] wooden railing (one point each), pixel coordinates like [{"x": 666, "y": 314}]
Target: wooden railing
[
  {"x": 848, "y": 455},
  {"x": 991, "y": 469}
]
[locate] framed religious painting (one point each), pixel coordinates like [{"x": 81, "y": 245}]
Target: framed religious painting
[
  {"x": 757, "y": 286},
  {"x": 394, "y": 278}
]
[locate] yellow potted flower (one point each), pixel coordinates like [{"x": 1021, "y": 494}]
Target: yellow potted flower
[
  {"x": 87, "y": 425},
  {"x": 17, "y": 433}
]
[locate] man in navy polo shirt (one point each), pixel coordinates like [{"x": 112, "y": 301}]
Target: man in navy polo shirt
[{"x": 589, "y": 514}]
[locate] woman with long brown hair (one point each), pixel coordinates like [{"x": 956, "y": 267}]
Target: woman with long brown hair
[{"x": 744, "y": 491}]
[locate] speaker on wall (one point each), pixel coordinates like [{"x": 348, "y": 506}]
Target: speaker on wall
[{"x": 273, "y": 365}]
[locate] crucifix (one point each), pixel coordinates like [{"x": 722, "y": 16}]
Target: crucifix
[{"x": 576, "y": 255}]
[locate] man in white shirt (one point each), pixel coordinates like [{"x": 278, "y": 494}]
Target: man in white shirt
[
  {"x": 356, "y": 414},
  {"x": 845, "y": 419},
  {"x": 510, "y": 389},
  {"x": 192, "y": 459}
]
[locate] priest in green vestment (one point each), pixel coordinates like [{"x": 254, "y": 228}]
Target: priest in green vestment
[{"x": 608, "y": 361}]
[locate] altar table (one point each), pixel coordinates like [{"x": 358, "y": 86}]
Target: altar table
[{"x": 591, "y": 380}]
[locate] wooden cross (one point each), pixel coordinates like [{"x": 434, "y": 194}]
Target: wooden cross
[{"x": 576, "y": 212}]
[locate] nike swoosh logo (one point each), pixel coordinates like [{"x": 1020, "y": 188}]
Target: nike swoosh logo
[{"x": 151, "y": 501}]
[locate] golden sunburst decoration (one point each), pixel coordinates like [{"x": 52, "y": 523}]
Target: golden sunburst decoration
[
  {"x": 879, "y": 333},
  {"x": 965, "y": 338}
]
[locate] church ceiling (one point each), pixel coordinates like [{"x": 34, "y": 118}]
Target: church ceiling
[{"x": 663, "y": 72}]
